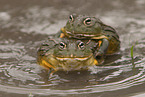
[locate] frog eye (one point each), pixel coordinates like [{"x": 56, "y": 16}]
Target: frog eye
[
  {"x": 62, "y": 45},
  {"x": 71, "y": 18},
  {"x": 88, "y": 22},
  {"x": 81, "y": 45}
]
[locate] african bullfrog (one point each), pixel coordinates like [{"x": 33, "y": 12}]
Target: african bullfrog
[
  {"x": 86, "y": 27},
  {"x": 67, "y": 54}
]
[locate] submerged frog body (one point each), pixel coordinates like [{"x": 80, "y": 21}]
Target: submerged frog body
[
  {"x": 67, "y": 54},
  {"x": 86, "y": 27}
]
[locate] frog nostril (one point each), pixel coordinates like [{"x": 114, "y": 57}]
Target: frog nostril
[
  {"x": 79, "y": 25},
  {"x": 71, "y": 55}
]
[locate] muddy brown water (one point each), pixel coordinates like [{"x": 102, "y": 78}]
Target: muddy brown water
[{"x": 24, "y": 24}]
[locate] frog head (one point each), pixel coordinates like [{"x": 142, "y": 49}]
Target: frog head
[
  {"x": 67, "y": 54},
  {"x": 82, "y": 26}
]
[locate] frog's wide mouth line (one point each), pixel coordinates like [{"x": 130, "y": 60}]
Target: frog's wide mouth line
[
  {"x": 83, "y": 35},
  {"x": 80, "y": 34},
  {"x": 73, "y": 58}
]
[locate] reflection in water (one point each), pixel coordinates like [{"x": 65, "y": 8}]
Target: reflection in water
[{"x": 23, "y": 31}]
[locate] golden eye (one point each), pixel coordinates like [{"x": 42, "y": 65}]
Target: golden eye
[
  {"x": 81, "y": 45},
  {"x": 88, "y": 22},
  {"x": 62, "y": 45},
  {"x": 71, "y": 18}
]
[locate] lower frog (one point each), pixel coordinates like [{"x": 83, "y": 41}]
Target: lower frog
[
  {"x": 68, "y": 54},
  {"x": 86, "y": 27}
]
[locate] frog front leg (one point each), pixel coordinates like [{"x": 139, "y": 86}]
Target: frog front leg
[
  {"x": 59, "y": 34},
  {"x": 103, "y": 44},
  {"x": 99, "y": 53}
]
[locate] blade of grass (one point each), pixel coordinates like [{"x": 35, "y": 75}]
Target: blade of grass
[{"x": 132, "y": 56}]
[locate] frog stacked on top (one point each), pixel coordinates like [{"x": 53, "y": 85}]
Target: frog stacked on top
[
  {"x": 78, "y": 44},
  {"x": 85, "y": 27}
]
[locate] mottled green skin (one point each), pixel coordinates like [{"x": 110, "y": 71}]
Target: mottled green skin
[
  {"x": 77, "y": 26},
  {"x": 67, "y": 54},
  {"x": 86, "y": 27}
]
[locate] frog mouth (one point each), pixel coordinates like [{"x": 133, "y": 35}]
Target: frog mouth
[
  {"x": 69, "y": 58},
  {"x": 68, "y": 33},
  {"x": 83, "y": 35},
  {"x": 76, "y": 63},
  {"x": 73, "y": 58}
]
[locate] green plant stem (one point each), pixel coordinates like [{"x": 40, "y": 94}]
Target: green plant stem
[{"x": 132, "y": 56}]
